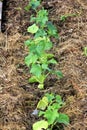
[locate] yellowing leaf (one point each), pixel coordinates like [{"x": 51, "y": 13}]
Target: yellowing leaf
[
  {"x": 33, "y": 28},
  {"x": 40, "y": 125},
  {"x": 41, "y": 86},
  {"x": 42, "y": 104}
]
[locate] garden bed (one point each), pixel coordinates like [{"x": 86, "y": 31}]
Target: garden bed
[{"x": 18, "y": 98}]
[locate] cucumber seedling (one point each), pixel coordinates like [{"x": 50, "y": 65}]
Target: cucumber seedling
[
  {"x": 49, "y": 107},
  {"x": 39, "y": 58}
]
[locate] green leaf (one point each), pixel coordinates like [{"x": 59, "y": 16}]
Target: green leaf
[
  {"x": 36, "y": 70},
  {"x": 34, "y": 4},
  {"x": 33, "y": 28},
  {"x": 43, "y": 103},
  {"x": 56, "y": 106},
  {"x": 51, "y": 116},
  {"x": 30, "y": 59},
  {"x": 48, "y": 44},
  {"x": 27, "y": 7},
  {"x": 40, "y": 79},
  {"x": 42, "y": 17},
  {"x": 41, "y": 86},
  {"x": 59, "y": 100},
  {"x": 63, "y": 118},
  {"x": 41, "y": 113},
  {"x": 52, "y": 29},
  {"x": 40, "y": 33},
  {"x": 50, "y": 97},
  {"x": 40, "y": 47},
  {"x": 85, "y": 51},
  {"x": 32, "y": 18},
  {"x": 27, "y": 42},
  {"x": 59, "y": 74},
  {"x": 49, "y": 55},
  {"x": 52, "y": 61},
  {"x": 40, "y": 125},
  {"x": 45, "y": 66},
  {"x": 33, "y": 79}
]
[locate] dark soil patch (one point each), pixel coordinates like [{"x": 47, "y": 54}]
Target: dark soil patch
[{"x": 18, "y": 98}]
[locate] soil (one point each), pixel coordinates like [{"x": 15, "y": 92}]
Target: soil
[{"x": 18, "y": 98}]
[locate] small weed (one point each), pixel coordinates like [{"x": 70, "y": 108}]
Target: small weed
[
  {"x": 49, "y": 107},
  {"x": 85, "y": 51},
  {"x": 64, "y": 17}
]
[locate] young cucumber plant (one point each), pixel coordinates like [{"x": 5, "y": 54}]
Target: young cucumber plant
[
  {"x": 39, "y": 57},
  {"x": 48, "y": 108}
]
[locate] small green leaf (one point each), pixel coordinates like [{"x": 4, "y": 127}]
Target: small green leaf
[
  {"x": 41, "y": 113},
  {"x": 59, "y": 100},
  {"x": 40, "y": 33},
  {"x": 40, "y": 125},
  {"x": 52, "y": 29},
  {"x": 33, "y": 28},
  {"x": 50, "y": 96},
  {"x": 43, "y": 103},
  {"x": 63, "y": 118},
  {"x": 85, "y": 51},
  {"x": 27, "y": 7},
  {"x": 48, "y": 44},
  {"x": 52, "y": 61},
  {"x": 34, "y": 4},
  {"x": 59, "y": 74},
  {"x": 33, "y": 79},
  {"x": 56, "y": 106},
  {"x": 45, "y": 66},
  {"x": 30, "y": 59},
  {"x": 41, "y": 79},
  {"x": 36, "y": 70},
  {"x": 27, "y": 42},
  {"x": 40, "y": 47}
]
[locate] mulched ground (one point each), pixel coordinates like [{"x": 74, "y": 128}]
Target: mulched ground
[{"x": 18, "y": 98}]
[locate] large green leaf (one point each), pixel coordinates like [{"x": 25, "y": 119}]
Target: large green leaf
[
  {"x": 63, "y": 118},
  {"x": 51, "y": 116},
  {"x": 33, "y": 28},
  {"x": 40, "y": 125}
]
